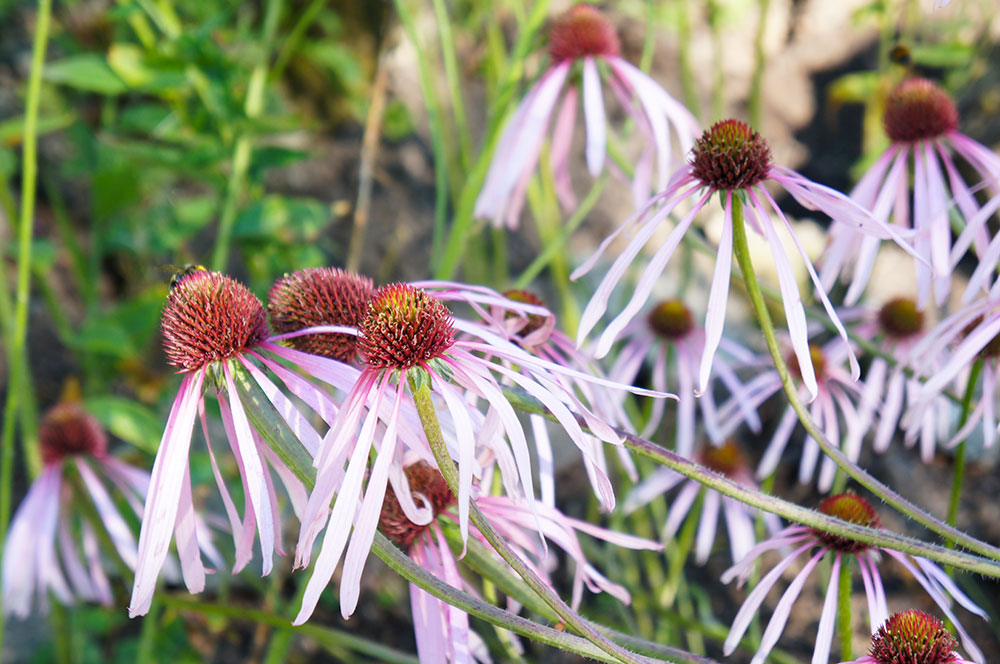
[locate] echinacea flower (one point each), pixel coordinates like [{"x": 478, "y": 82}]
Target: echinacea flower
[
  {"x": 912, "y": 637},
  {"x": 407, "y": 329},
  {"x": 854, "y": 509},
  {"x": 42, "y": 554},
  {"x": 582, "y": 34},
  {"x": 215, "y": 331},
  {"x": 835, "y": 410},
  {"x": 670, "y": 335},
  {"x": 922, "y": 123},
  {"x": 727, "y": 460},
  {"x": 733, "y": 160},
  {"x": 442, "y": 631}
]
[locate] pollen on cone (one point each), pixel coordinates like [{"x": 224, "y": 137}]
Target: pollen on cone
[
  {"x": 210, "y": 317},
  {"x": 913, "y": 637},
  {"x": 320, "y": 296},
  {"x": 404, "y": 327},
  {"x": 67, "y": 430},
  {"x": 730, "y": 155},
  {"x": 917, "y": 110},
  {"x": 582, "y": 31}
]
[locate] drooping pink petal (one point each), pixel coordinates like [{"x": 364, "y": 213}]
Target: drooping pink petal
[
  {"x": 824, "y": 633},
  {"x": 718, "y": 294}
]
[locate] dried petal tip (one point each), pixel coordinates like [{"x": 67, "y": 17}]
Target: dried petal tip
[
  {"x": 320, "y": 296},
  {"x": 918, "y": 109},
  {"x": 210, "y": 317},
  {"x": 730, "y": 156},
  {"x": 425, "y": 481},
  {"x": 404, "y": 327},
  {"x": 913, "y": 637},
  {"x": 818, "y": 361},
  {"x": 671, "y": 319},
  {"x": 67, "y": 430},
  {"x": 900, "y": 319},
  {"x": 727, "y": 459},
  {"x": 582, "y": 31},
  {"x": 535, "y": 321},
  {"x": 851, "y": 508}
]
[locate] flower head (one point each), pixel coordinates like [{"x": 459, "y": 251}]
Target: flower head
[
  {"x": 730, "y": 155},
  {"x": 316, "y": 297},
  {"x": 403, "y": 328},
  {"x": 912, "y": 637},
  {"x": 582, "y": 35},
  {"x": 67, "y": 430},
  {"x": 919, "y": 110},
  {"x": 854, "y": 509}
]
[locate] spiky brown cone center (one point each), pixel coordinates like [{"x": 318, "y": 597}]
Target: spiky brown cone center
[
  {"x": 535, "y": 321},
  {"x": 671, "y": 319},
  {"x": 818, "y": 361},
  {"x": 320, "y": 296},
  {"x": 900, "y": 319},
  {"x": 67, "y": 430},
  {"x": 425, "y": 480},
  {"x": 403, "y": 328},
  {"x": 210, "y": 317},
  {"x": 851, "y": 508},
  {"x": 582, "y": 31},
  {"x": 730, "y": 155},
  {"x": 917, "y": 110},
  {"x": 913, "y": 637},
  {"x": 727, "y": 459}
]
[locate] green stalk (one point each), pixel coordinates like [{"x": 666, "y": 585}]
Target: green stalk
[
  {"x": 742, "y": 251},
  {"x": 684, "y": 58},
  {"x": 451, "y": 73},
  {"x": 754, "y": 105},
  {"x": 17, "y": 372},
  {"x": 421, "y": 392},
  {"x": 959, "y": 471},
  {"x": 244, "y": 142},
  {"x": 844, "y": 607}
]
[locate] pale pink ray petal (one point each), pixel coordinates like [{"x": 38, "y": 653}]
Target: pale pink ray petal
[
  {"x": 707, "y": 525},
  {"x": 679, "y": 509},
  {"x": 772, "y": 455},
  {"x": 296, "y": 422},
  {"x": 593, "y": 114},
  {"x": 661, "y": 481},
  {"x": 242, "y": 540},
  {"x": 164, "y": 492},
  {"x": 779, "y": 540},
  {"x": 739, "y": 528},
  {"x": 429, "y": 625},
  {"x": 21, "y": 564},
  {"x": 79, "y": 578},
  {"x": 458, "y": 620},
  {"x": 465, "y": 437},
  {"x": 186, "y": 537},
  {"x": 562, "y": 140},
  {"x": 715, "y": 315},
  {"x": 824, "y": 633},
  {"x": 686, "y": 407},
  {"x": 118, "y": 530},
  {"x": 960, "y": 358},
  {"x": 92, "y": 550},
  {"x": 546, "y": 464},
  {"x": 783, "y": 610}
]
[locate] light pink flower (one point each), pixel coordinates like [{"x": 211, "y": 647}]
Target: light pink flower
[
  {"x": 442, "y": 631},
  {"x": 586, "y": 36},
  {"x": 922, "y": 122},
  {"x": 727, "y": 460},
  {"x": 732, "y": 160},
  {"x": 408, "y": 329},
  {"x": 912, "y": 636},
  {"x": 849, "y": 507},
  {"x": 669, "y": 334},
  {"x": 42, "y": 554}
]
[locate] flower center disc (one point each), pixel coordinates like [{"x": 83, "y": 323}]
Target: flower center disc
[
  {"x": 67, "y": 430},
  {"x": 320, "y": 296},
  {"x": 818, "y": 361},
  {"x": 851, "y": 508},
  {"x": 918, "y": 109},
  {"x": 210, "y": 317},
  {"x": 424, "y": 479},
  {"x": 535, "y": 321},
  {"x": 404, "y": 328},
  {"x": 727, "y": 459},
  {"x": 913, "y": 637},
  {"x": 730, "y": 155},
  {"x": 671, "y": 319},
  {"x": 899, "y": 318},
  {"x": 580, "y": 32}
]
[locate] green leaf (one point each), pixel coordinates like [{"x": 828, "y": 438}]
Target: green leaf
[
  {"x": 139, "y": 70},
  {"x": 89, "y": 72},
  {"x": 283, "y": 218},
  {"x": 856, "y": 87},
  {"x": 943, "y": 55},
  {"x": 128, "y": 420}
]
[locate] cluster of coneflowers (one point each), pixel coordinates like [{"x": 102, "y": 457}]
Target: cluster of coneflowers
[{"x": 320, "y": 389}]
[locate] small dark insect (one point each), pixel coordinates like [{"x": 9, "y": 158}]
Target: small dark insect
[
  {"x": 900, "y": 54},
  {"x": 178, "y": 272}
]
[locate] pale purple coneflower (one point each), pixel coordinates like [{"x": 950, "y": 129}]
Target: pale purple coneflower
[
  {"x": 727, "y": 460},
  {"x": 835, "y": 410},
  {"x": 442, "y": 631},
  {"x": 922, "y": 123},
  {"x": 408, "y": 329},
  {"x": 669, "y": 334},
  {"x": 42, "y": 553},
  {"x": 912, "y": 637},
  {"x": 733, "y": 160},
  {"x": 215, "y": 331},
  {"x": 854, "y": 509},
  {"x": 582, "y": 34}
]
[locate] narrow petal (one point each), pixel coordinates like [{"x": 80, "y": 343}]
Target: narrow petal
[{"x": 715, "y": 316}]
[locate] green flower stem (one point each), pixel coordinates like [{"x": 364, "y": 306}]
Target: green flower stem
[
  {"x": 243, "y": 150},
  {"x": 288, "y": 448},
  {"x": 17, "y": 372},
  {"x": 959, "y": 472},
  {"x": 742, "y": 251},
  {"x": 784, "y": 508},
  {"x": 334, "y": 640},
  {"x": 844, "y": 607},
  {"x": 420, "y": 389},
  {"x": 688, "y": 81}
]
